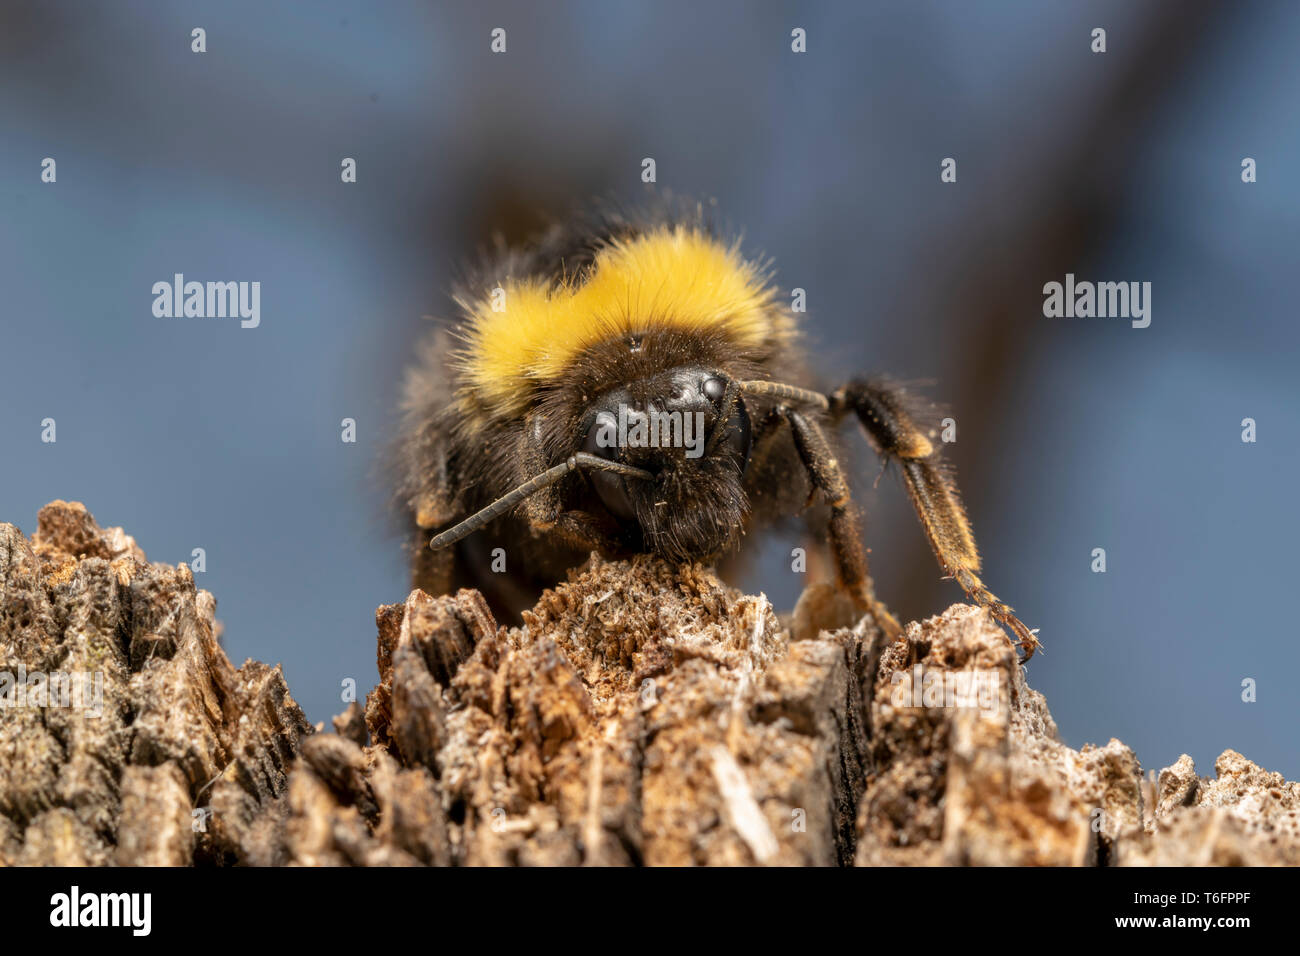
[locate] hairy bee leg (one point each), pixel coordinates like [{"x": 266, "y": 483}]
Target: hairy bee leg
[
  {"x": 432, "y": 571},
  {"x": 434, "y": 504},
  {"x": 545, "y": 513},
  {"x": 766, "y": 430},
  {"x": 931, "y": 487},
  {"x": 578, "y": 529},
  {"x": 845, "y": 531},
  {"x": 532, "y": 486}
]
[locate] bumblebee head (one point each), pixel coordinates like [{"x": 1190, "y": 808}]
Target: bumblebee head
[{"x": 688, "y": 428}]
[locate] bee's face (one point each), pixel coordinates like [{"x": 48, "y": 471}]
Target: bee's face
[{"x": 672, "y": 426}]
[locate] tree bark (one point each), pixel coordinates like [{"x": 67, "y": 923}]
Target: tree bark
[{"x": 642, "y": 714}]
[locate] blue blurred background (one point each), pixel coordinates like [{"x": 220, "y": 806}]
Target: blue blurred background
[{"x": 1073, "y": 434}]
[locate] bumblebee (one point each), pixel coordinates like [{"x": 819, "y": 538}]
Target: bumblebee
[{"x": 523, "y": 439}]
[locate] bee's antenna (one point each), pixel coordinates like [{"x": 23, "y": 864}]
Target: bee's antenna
[
  {"x": 790, "y": 393},
  {"x": 533, "y": 485}
]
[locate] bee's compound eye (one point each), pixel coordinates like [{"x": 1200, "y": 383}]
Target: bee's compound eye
[
  {"x": 602, "y": 436},
  {"x": 602, "y": 441},
  {"x": 739, "y": 440},
  {"x": 713, "y": 389}
]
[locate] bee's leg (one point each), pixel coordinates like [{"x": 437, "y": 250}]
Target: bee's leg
[
  {"x": 433, "y": 505},
  {"x": 545, "y": 514},
  {"x": 433, "y": 572},
  {"x": 578, "y": 529},
  {"x": 845, "y": 532},
  {"x": 766, "y": 431},
  {"x": 891, "y": 430}
]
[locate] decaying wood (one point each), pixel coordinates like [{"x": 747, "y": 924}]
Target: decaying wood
[
  {"x": 176, "y": 721},
  {"x": 641, "y": 715}
]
